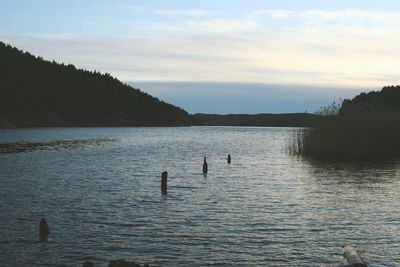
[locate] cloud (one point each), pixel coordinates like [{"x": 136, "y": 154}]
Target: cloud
[
  {"x": 242, "y": 49},
  {"x": 212, "y": 26},
  {"x": 225, "y": 98},
  {"x": 344, "y": 16},
  {"x": 162, "y": 12},
  {"x": 314, "y": 57},
  {"x": 183, "y": 13}
]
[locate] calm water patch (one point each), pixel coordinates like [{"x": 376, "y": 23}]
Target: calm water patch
[{"x": 100, "y": 193}]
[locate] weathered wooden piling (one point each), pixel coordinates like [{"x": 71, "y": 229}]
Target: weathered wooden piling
[
  {"x": 353, "y": 257},
  {"x": 205, "y": 166},
  {"x": 164, "y": 178},
  {"x": 229, "y": 158},
  {"x": 43, "y": 229}
]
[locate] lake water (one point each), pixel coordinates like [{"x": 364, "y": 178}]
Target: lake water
[{"x": 102, "y": 200}]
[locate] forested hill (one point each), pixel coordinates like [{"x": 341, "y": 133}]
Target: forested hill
[
  {"x": 35, "y": 92},
  {"x": 386, "y": 100}
]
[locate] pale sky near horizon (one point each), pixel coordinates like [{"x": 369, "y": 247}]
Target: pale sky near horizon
[{"x": 295, "y": 55}]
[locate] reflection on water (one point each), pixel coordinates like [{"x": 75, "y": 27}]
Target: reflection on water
[
  {"x": 353, "y": 172},
  {"x": 104, "y": 202}
]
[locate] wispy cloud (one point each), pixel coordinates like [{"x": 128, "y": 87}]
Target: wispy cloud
[
  {"x": 184, "y": 12},
  {"x": 345, "y": 16},
  {"x": 222, "y": 26}
]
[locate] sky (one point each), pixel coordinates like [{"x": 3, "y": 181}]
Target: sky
[{"x": 220, "y": 56}]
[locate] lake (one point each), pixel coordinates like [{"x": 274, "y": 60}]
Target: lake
[{"x": 102, "y": 200}]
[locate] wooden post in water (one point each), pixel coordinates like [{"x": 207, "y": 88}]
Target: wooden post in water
[
  {"x": 352, "y": 256},
  {"x": 229, "y": 158},
  {"x": 164, "y": 177},
  {"x": 43, "y": 229},
  {"x": 205, "y": 166}
]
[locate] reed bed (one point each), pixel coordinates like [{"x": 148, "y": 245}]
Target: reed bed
[{"x": 374, "y": 135}]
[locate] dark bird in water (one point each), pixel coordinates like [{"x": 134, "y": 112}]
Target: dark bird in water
[
  {"x": 205, "y": 166},
  {"x": 229, "y": 158},
  {"x": 43, "y": 229}
]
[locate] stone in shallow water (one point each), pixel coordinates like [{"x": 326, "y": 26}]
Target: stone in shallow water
[
  {"x": 353, "y": 257},
  {"x": 88, "y": 264},
  {"x": 124, "y": 263}
]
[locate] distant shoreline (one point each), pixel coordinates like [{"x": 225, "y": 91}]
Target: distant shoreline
[
  {"x": 237, "y": 120},
  {"x": 262, "y": 120}
]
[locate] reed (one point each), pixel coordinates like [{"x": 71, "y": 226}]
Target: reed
[{"x": 361, "y": 136}]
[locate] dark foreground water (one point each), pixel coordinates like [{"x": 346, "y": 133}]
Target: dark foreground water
[{"x": 99, "y": 189}]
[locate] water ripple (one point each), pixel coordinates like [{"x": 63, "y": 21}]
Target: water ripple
[{"x": 100, "y": 192}]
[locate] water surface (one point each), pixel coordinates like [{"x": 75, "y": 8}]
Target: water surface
[{"x": 100, "y": 193}]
